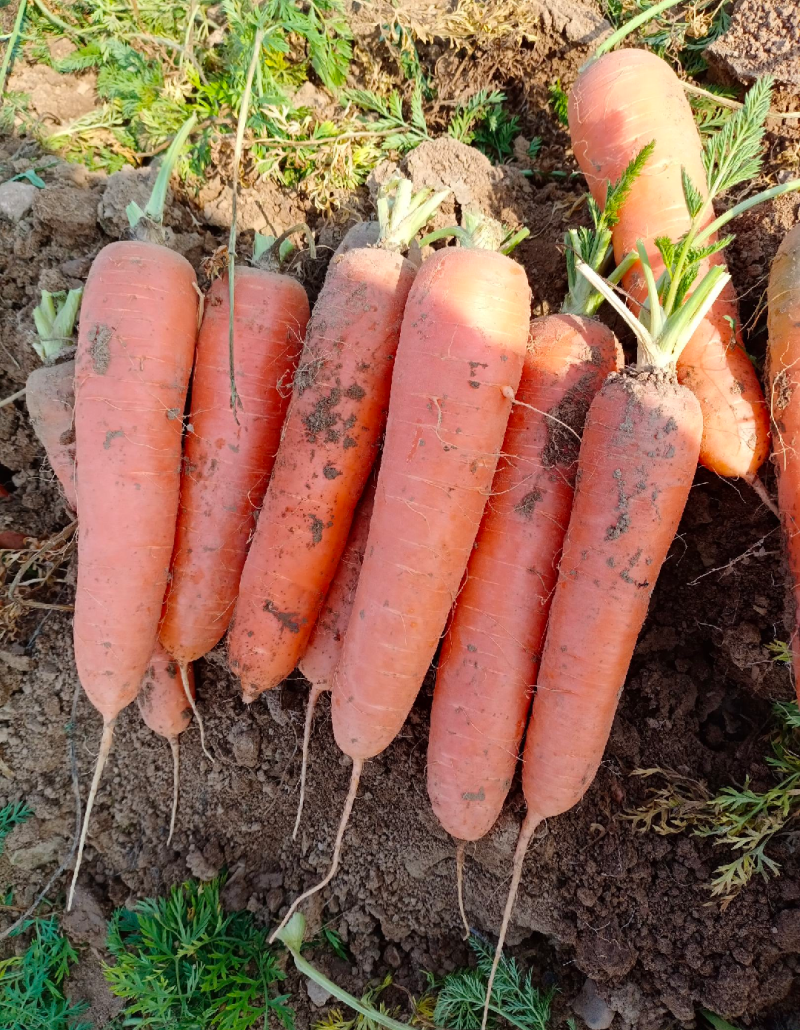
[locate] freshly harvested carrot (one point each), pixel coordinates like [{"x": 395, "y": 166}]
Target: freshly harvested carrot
[
  {"x": 635, "y": 469},
  {"x": 135, "y": 352},
  {"x": 329, "y": 443},
  {"x": 326, "y": 642},
  {"x": 619, "y": 102},
  {"x": 165, "y": 708},
  {"x": 229, "y": 454},
  {"x": 783, "y": 369},
  {"x": 457, "y": 368}
]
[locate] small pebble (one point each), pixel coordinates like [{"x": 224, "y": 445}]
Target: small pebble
[
  {"x": 318, "y": 996},
  {"x": 16, "y": 199}
]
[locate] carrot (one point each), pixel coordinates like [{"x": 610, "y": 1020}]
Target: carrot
[
  {"x": 490, "y": 656},
  {"x": 458, "y": 365},
  {"x": 620, "y": 101},
  {"x": 164, "y": 707},
  {"x": 329, "y": 443},
  {"x": 783, "y": 369},
  {"x": 635, "y": 469},
  {"x": 135, "y": 352},
  {"x": 228, "y": 454},
  {"x": 326, "y": 642}
]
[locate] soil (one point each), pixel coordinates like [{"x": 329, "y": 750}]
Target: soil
[{"x": 631, "y": 912}]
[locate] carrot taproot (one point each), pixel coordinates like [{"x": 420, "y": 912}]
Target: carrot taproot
[
  {"x": 635, "y": 468},
  {"x": 329, "y": 443},
  {"x": 619, "y": 102},
  {"x": 135, "y": 352},
  {"x": 783, "y": 370},
  {"x": 325, "y": 644},
  {"x": 165, "y": 709},
  {"x": 458, "y": 365},
  {"x": 229, "y": 454}
]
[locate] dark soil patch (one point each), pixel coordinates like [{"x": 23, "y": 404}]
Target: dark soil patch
[{"x": 632, "y": 912}]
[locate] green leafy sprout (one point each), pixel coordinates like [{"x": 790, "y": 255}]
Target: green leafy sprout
[
  {"x": 181, "y": 962},
  {"x": 593, "y": 245},
  {"x": 738, "y": 818},
  {"x": 31, "y": 984},
  {"x": 12, "y": 815},
  {"x": 515, "y": 999}
]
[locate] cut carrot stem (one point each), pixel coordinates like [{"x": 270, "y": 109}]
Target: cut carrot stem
[
  {"x": 105, "y": 747},
  {"x": 355, "y": 776}
]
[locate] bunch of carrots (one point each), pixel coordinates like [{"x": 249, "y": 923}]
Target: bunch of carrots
[{"x": 418, "y": 462}]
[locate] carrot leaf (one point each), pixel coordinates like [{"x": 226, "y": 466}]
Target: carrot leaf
[
  {"x": 691, "y": 194},
  {"x": 733, "y": 154},
  {"x": 592, "y": 245},
  {"x": 481, "y": 233},
  {"x": 618, "y": 191},
  {"x": 146, "y": 224},
  {"x": 403, "y": 213}
]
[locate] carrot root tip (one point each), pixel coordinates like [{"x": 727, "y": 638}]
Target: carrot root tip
[
  {"x": 529, "y": 824},
  {"x": 176, "y": 771},
  {"x": 311, "y": 705},
  {"x": 460, "y": 887},
  {"x": 355, "y": 776},
  {"x": 105, "y": 748},
  {"x": 187, "y": 691}
]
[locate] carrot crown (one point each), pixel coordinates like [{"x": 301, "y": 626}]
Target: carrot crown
[
  {"x": 593, "y": 245},
  {"x": 481, "y": 233},
  {"x": 403, "y": 213},
  {"x": 661, "y": 330},
  {"x": 147, "y": 225},
  {"x": 54, "y": 318},
  {"x": 271, "y": 253}
]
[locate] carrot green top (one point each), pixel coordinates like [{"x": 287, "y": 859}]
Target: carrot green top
[
  {"x": 480, "y": 232},
  {"x": 271, "y": 253},
  {"x": 593, "y": 245},
  {"x": 403, "y": 213},
  {"x": 54, "y": 318},
  {"x": 147, "y": 225}
]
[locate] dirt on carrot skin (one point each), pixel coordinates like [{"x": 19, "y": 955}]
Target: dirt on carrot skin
[{"x": 630, "y": 912}]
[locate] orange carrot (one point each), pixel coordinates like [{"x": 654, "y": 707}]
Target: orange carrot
[
  {"x": 330, "y": 440},
  {"x": 635, "y": 469},
  {"x": 457, "y": 368},
  {"x": 619, "y": 102},
  {"x": 135, "y": 352},
  {"x": 164, "y": 707},
  {"x": 326, "y": 642},
  {"x": 783, "y": 365},
  {"x": 228, "y": 454}
]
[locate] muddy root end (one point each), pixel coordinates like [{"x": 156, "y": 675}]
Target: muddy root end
[
  {"x": 187, "y": 691},
  {"x": 355, "y": 776},
  {"x": 526, "y": 832},
  {"x": 460, "y": 886},
  {"x": 311, "y": 705},
  {"x": 105, "y": 748},
  {"x": 174, "y": 744},
  {"x": 763, "y": 494}
]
